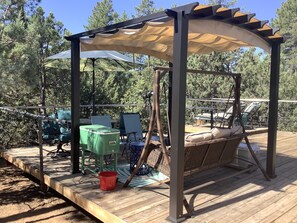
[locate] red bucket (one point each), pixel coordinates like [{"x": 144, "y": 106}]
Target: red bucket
[{"x": 108, "y": 180}]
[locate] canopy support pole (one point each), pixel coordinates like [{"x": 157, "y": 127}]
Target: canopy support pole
[
  {"x": 273, "y": 109},
  {"x": 180, "y": 48},
  {"x": 75, "y": 104}
]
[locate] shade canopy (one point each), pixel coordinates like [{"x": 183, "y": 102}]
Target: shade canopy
[
  {"x": 105, "y": 54},
  {"x": 211, "y": 29}
]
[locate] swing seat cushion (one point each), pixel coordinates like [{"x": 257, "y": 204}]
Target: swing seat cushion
[
  {"x": 215, "y": 133},
  {"x": 220, "y": 133},
  {"x": 198, "y": 136}
]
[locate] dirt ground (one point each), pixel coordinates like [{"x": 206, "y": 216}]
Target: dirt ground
[{"x": 22, "y": 201}]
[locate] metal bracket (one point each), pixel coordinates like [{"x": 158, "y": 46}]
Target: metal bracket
[
  {"x": 185, "y": 10},
  {"x": 171, "y": 13}
]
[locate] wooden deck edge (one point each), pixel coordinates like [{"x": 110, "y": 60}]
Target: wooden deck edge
[{"x": 67, "y": 192}]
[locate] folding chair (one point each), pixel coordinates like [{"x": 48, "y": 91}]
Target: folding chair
[
  {"x": 220, "y": 117},
  {"x": 250, "y": 113},
  {"x": 133, "y": 129},
  {"x": 57, "y": 132},
  {"x": 130, "y": 129},
  {"x": 101, "y": 120}
]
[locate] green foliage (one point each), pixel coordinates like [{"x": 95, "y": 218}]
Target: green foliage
[
  {"x": 122, "y": 18},
  {"x": 11, "y": 10},
  {"x": 102, "y": 15},
  {"x": 209, "y": 86},
  {"x": 286, "y": 21},
  {"x": 27, "y": 38},
  {"x": 16, "y": 130},
  {"x": 224, "y": 3},
  {"x": 255, "y": 74},
  {"x": 146, "y": 7}
]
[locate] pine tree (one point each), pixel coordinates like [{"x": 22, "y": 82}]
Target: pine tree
[
  {"x": 145, "y": 8},
  {"x": 223, "y": 3},
  {"x": 102, "y": 15},
  {"x": 27, "y": 38},
  {"x": 25, "y": 43},
  {"x": 122, "y": 18},
  {"x": 286, "y": 21}
]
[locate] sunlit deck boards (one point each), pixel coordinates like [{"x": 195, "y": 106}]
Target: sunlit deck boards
[{"x": 245, "y": 198}]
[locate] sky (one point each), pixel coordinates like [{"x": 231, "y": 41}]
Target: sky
[{"x": 74, "y": 13}]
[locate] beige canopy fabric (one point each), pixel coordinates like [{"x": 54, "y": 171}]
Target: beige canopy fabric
[{"x": 204, "y": 36}]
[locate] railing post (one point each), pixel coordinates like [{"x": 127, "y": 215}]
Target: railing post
[{"x": 40, "y": 142}]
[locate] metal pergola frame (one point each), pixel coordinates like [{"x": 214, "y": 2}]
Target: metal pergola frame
[{"x": 181, "y": 16}]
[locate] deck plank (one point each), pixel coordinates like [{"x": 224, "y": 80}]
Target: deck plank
[
  {"x": 289, "y": 216},
  {"x": 244, "y": 198}
]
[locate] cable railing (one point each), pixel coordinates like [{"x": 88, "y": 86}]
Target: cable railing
[
  {"x": 287, "y": 110},
  {"x": 21, "y": 126},
  {"x": 16, "y": 123}
]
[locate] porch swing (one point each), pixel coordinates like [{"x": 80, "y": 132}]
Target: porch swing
[{"x": 199, "y": 156}]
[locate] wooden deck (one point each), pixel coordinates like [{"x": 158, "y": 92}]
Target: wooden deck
[{"x": 245, "y": 198}]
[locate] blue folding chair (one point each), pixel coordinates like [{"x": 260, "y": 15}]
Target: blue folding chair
[
  {"x": 104, "y": 120},
  {"x": 133, "y": 129}
]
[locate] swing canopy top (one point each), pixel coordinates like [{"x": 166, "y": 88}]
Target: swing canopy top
[{"x": 211, "y": 29}]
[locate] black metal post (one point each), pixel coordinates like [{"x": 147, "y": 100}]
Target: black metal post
[
  {"x": 75, "y": 104},
  {"x": 40, "y": 142},
  {"x": 273, "y": 110},
  {"x": 93, "y": 87},
  {"x": 211, "y": 119},
  {"x": 178, "y": 114}
]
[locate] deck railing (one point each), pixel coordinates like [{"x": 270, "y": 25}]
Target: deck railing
[
  {"x": 287, "y": 111},
  {"x": 18, "y": 128},
  {"x": 19, "y": 124}
]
